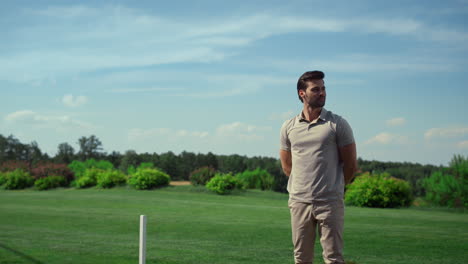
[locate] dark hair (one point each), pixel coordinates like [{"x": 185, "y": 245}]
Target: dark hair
[{"x": 307, "y": 76}]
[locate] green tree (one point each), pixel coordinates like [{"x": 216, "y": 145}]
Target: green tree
[
  {"x": 169, "y": 163},
  {"x": 65, "y": 153},
  {"x": 129, "y": 159},
  {"x": 90, "y": 147},
  {"x": 232, "y": 163}
]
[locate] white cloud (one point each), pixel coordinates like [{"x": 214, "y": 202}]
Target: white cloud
[
  {"x": 32, "y": 118},
  {"x": 238, "y": 127},
  {"x": 142, "y": 90},
  {"x": 137, "y": 134},
  {"x": 219, "y": 93},
  {"x": 140, "y": 38},
  {"x": 398, "y": 121},
  {"x": 20, "y": 115},
  {"x": 361, "y": 62},
  {"x": 242, "y": 131},
  {"x": 449, "y": 132},
  {"x": 463, "y": 144},
  {"x": 223, "y": 133},
  {"x": 373, "y": 63},
  {"x": 63, "y": 12},
  {"x": 385, "y": 138},
  {"x": 74, "y": 101}
]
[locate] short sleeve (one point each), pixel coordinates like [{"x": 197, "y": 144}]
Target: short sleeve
[
  {"x": 285, "y": 144},
  {"x": 344, "y": 133}
]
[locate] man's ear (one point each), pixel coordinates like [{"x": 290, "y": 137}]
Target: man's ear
[{"x": 301, "y": 93}]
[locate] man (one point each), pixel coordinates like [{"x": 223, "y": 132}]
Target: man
[{"x": 318, "y": 154}]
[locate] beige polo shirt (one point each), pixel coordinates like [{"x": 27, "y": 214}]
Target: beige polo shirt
[{"x": 317, "y": 174}]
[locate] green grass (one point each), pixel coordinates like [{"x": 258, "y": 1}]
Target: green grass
[{"x": 189, "y": 225}]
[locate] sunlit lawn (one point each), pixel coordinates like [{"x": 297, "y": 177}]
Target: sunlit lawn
[{"x": 189, "y": 225}]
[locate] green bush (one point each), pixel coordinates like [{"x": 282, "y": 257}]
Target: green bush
[
  {"x": 50, "y": 182},
  {"x": 88, "y": 179},
  {"x": 18, "y": 179},
  {"x": 2, "y": 178},
  {"x": 378, "y": 190},
  {"x": 202, "y": 175},
  {"x": 449, "y": 187},
  {"x": 256, "y": 179},
  {"x": 79, "y": 167},
  {"x": 131, "y": 170},
  {"x": 223, "y": 183},
  {"x": 110, "y": 178},
  {"x": 145, "y": 179},
  {"x": 146, "y": 165}
]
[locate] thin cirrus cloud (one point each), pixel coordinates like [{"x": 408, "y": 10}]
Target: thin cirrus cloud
[
  {"x": 242, "y": 131},
  {"x": 398, "y": 121},
  {"x": 143, "y": 90},
  {"x": 29, "y": 117},
  {"x": 381, "y": 63},
  {"x": 235, "y": 130},
  {"x": 141, "y": 39},
  {"x": 74, "y": 101},
  {"x": 166, "y": 133},
  {"x": 463, "y": 144},
  {"x": 385, "y": 138},
  {"x": 446, "y": 133}
]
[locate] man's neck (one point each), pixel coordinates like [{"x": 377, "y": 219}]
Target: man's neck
[{"x": 310, "y": 114}]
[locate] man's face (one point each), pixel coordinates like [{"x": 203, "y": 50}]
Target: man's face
[{"x": 314, "y": 95}]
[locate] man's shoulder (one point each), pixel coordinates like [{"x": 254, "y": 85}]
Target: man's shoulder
[
  {"x": 333, "y": 117},
  {"x": 289, "y": 123}
]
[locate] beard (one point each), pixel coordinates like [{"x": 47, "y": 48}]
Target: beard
[{"x": 317, "y": 103}]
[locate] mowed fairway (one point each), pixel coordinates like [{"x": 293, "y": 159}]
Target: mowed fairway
[{"x": 189, "y": 225}]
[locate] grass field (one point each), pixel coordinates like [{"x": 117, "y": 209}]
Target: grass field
[{"x": 189, "y": 225}]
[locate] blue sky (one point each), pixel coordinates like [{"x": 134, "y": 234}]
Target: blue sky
[{"x": 221, "y": 77}]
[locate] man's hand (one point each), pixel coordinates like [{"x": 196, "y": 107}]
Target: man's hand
[
  {"x": 286, "y": 161},
  {"x": 348, "y": 156}
]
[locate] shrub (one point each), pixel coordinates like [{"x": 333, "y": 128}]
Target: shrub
[
  {"x": 450, "y": 186},
  {"x": 103, "y": 165},
  {"x": 88, "y": 179},
  {"x": 50, "y": 182},
  {"x": 223, "y": 183},
  {"x": 2, "y": 178},
  {"x": 145, "y": 179},
  {"x": 444, "y": 189},
  {"x": 43, "y": 170},
  {"x": 18, "y": 179},
  {"x": 146, "y": 165},
  {"x": 378, "y": 190},
  {"x": 79, "y": 167},
  {"x": 110, "y": 178},
  {"x": 256, "y": 179},
  {"x": 12, "y": 165},
  {"x": 131, "y": 170},
  {"x": 202, "y": 175}
]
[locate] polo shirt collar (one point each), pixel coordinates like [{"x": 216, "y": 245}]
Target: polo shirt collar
[{"x": 323, "y": 116}]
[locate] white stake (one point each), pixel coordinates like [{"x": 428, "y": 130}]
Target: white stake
[{"x": 142, "y": 239}]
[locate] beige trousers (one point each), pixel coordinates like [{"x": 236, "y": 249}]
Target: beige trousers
[{"x": 327, "y": 218}]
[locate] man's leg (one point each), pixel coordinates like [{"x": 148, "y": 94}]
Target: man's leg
[
  {"x": 330, "y": 216},
  {"x": 303, "y": 227}
]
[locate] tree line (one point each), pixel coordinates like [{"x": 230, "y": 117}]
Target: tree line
[{"x": 179, "y": 166}]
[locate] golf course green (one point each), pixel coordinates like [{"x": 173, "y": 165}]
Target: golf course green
[{"x": 187, "y": 224}]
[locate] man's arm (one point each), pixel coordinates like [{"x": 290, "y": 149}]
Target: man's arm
[
  {"x": 286, "y": 161},
  {"x": 348, "y": 156}
]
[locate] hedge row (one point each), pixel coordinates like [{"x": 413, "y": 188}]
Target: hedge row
[
  {"x": 78, "y": 174},
  {"x": 224, "y": 183}
]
